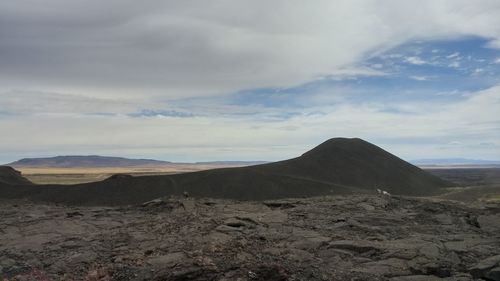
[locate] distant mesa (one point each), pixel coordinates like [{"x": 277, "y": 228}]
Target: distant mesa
[
  {"x": 85, "y": 161},
  {"x": 96, "y": 161},
  {"x": 337, "y": 166}
]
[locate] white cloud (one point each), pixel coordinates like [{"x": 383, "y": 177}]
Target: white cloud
[
  {"x": 37, "y": 102},
  {"x": 192, "y": 48},
  {"x": 249, "y": 137},
  {"x": 415, "y": 60},
  {"x": 495, "y": 43},
  {"x": 420, "y": 78},
  {"x": 350, "y": 72},
  {"x": 478, "y": 71},
  {"x": 454, "y": 55},
  {"x": 147, "y": 52},
  {"x": 497, "y": 61},
  {"x": 454, "y": 64}
]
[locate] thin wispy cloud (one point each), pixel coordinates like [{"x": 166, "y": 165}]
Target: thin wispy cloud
[
  {"x": 419, "y": 78},
  {"x": 415, "y": 60}
]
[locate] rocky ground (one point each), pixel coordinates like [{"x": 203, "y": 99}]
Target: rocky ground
[{"x": 329, "y": 238}]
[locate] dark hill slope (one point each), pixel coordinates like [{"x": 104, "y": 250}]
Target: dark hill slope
[
  {"x": 9, "y": 175},
  {"x": 338, "y": 166},
  {"x": 220, "y": 183},
  {"x": 357, "y": 163}
]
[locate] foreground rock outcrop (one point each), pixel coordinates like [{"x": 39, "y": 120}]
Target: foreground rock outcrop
[
  {"x": 358, "y": 237},
  {"x": 10, "y": 176}
]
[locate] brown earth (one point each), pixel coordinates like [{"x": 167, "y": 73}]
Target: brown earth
[{"x": 76, "y": 175}]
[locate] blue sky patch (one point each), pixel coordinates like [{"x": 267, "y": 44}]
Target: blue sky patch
[{"x": 441, "y": 71}]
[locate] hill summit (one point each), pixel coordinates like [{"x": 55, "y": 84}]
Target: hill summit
[
  {"x": 337, "y": 166},
  {"x": 358, "y": 163}
]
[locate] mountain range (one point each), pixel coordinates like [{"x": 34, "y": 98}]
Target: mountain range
[
  {"x": 453, "y": 162},
  {"x": 96, "y": 161}
]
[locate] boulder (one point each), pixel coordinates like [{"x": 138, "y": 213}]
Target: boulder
[
  {"x": 167, "y": 260},
  {"x": 489, "y": 222},
  {"x": 489, "y": 266}
]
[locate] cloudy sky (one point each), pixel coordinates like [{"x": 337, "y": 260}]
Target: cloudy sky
[{"x": 248, "y": 80}]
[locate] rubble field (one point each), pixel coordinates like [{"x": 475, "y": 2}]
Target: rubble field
[{"x": 355, "y": 237}]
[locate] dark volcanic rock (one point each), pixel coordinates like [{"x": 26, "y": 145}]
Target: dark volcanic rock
[
  {"x": 487, "y": 268},
  {"x": 327, "y": 238}
]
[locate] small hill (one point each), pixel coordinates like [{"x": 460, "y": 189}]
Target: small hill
[
  {"x": 85, "y": 161},
  {"x": 9, "y": 175},
  {"x": 357, "y": 163},
  {"x": 337, "y": 166}
]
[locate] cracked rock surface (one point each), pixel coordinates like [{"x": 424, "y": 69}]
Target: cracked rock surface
[{"x": 359, "y": 237}]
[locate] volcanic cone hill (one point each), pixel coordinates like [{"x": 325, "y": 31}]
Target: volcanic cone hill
[
  {"x": 337, "y": 166},
  {"x": 357, "y": 163},
  {"x": 9, "y": 175}
]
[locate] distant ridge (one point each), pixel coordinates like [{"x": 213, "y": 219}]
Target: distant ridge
[
  {"x": 337, "y": 166},
  {"x": 452, "y": 162},
  {"x": 96, "y": 161},
  {"x": 85, "y": 161}
]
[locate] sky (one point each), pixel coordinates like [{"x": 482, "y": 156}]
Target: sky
[{"x": 248, "y": 80}]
